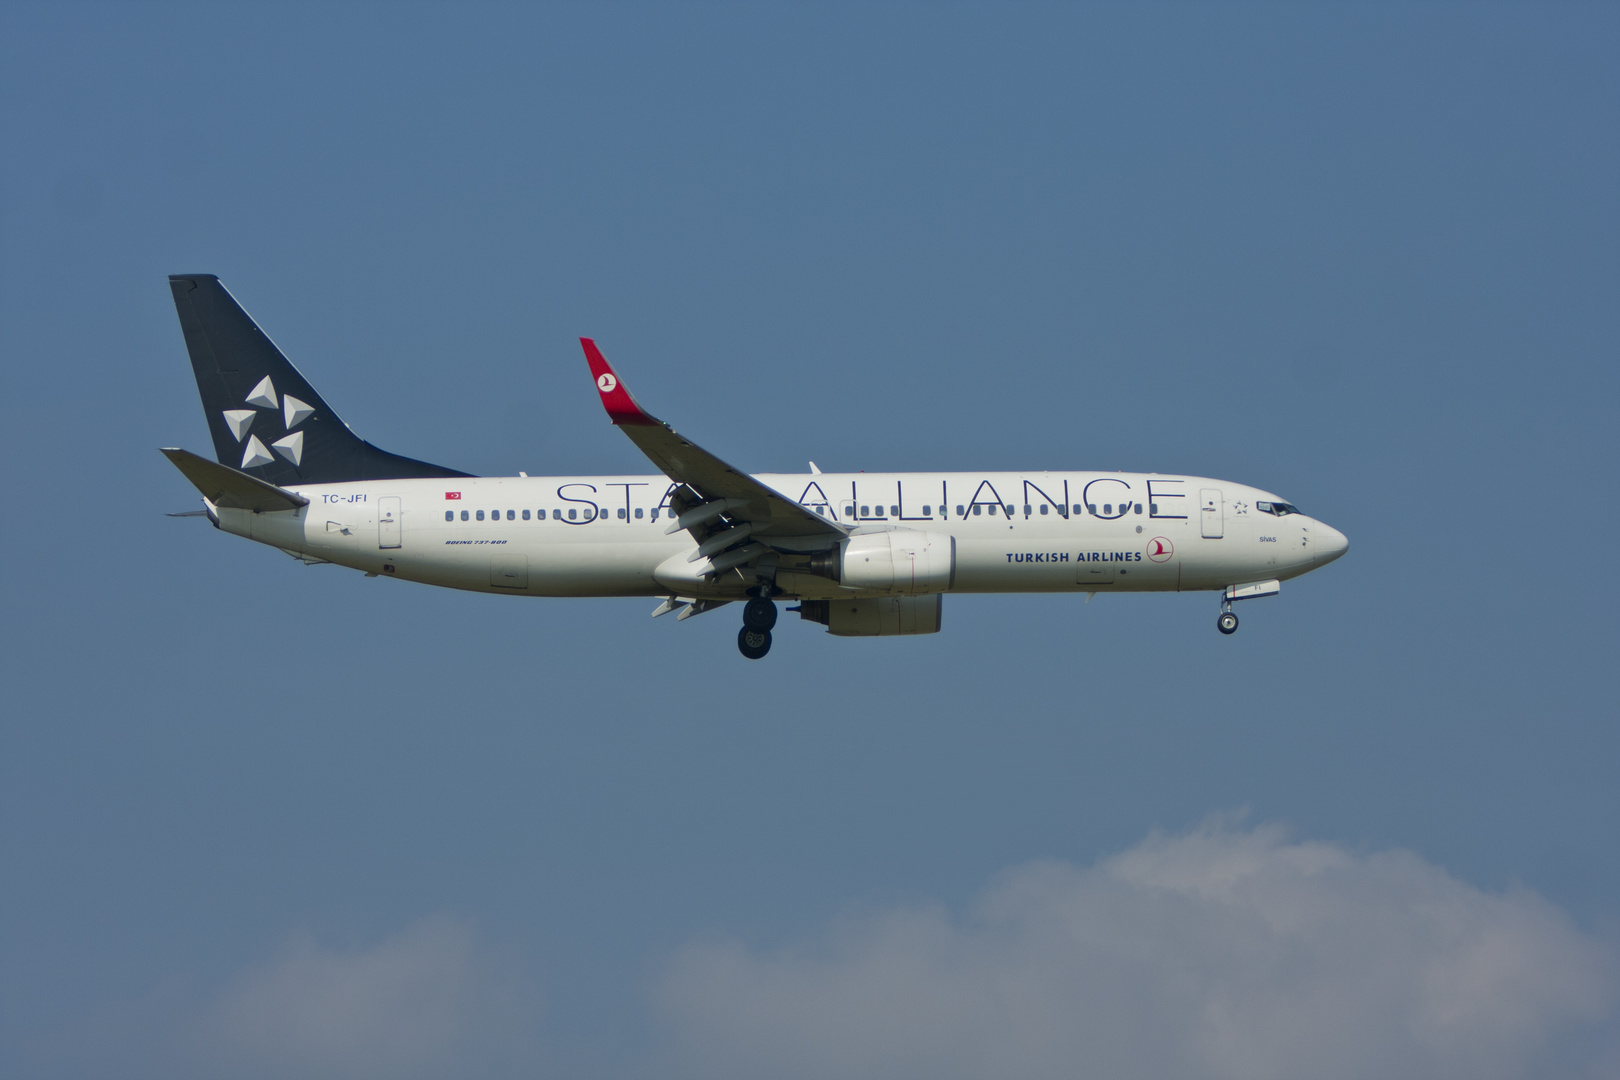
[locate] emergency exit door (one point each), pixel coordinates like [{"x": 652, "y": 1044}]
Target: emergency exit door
[
  {"x": 1210, "y": 515},
  {"x": 388, "y": 522}
]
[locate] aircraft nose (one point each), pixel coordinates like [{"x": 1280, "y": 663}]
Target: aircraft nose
[{"x": 1329, "y": 543}]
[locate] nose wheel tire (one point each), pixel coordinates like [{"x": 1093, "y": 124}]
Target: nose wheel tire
[
  {"x": 759, "y": 614},
  {"x": 753, "y": 644},
  {"x": 1227, "y": 623}
]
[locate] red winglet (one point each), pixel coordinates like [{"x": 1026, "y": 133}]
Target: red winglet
[{"x": 621, "y": 407}]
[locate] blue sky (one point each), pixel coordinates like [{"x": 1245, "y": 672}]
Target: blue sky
[{"x": 1367, "y": 258}]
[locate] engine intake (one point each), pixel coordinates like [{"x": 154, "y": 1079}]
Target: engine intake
[{"x": 901, "y": 561}]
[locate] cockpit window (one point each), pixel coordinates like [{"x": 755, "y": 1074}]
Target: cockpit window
[{"x": 1281, "y": 509}]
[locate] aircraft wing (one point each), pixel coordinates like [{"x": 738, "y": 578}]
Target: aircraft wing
[{"x": 767, "y": 513}]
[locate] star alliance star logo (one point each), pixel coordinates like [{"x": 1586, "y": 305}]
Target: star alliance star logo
[{"x": 293, "y": 411}]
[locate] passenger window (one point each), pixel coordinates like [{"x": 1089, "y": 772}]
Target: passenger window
[
  {"x": 464, "y": 515},
  {"x": 621, "y": 513},
  {"x": 1009, "y": 510},
  {"x": 1028, "y": 510},
  {"x": 480, "y": 515},
  {"x": 960, "y": 512},
  {"x": 821, "y": 511},
  {"x": 977, "y": 509},
  {"x": 866, "y": 511},
  {"x": 638, "y": 513},
  {"x": 541, "y": 514},
  {"x": 1138, "y": 509},
  {"x": 449, "y": 515},
  {"x": 928, "y": 511},
  {"x": 895, "y": 510},
  {"x": 655, "y": 513},
  {"x": 525, "y": 515},
  {"x": 511, "y": 515},
  {"x": 573, "y": 512},
  {"x": 1045, "y": 509},
  {"x": 1153, "y": 508},
  {"x": 1078, "y": 509},
  {"x": 1108, "y": 509}
]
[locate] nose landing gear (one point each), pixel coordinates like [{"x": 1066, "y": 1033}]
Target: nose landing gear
[{"x": 1228, "y": 623}]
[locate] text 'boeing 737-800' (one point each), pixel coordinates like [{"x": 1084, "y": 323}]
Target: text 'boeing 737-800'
[{"x": 865, "y": 554}]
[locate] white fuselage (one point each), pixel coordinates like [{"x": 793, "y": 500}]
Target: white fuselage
[{"x": 605, "y": 535}]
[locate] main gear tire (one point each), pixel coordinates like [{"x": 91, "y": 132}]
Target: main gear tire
[
  {"x": 759, "y": 614},
  {"x": 1227, "y": 623},
  {"x": 753, "y": 644}
]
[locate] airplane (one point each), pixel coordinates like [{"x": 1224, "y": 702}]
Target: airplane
[{"x": 862, "y": 554}]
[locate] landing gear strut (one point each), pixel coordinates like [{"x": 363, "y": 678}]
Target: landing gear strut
[
  {"x": 759, "y": 616},
  {"x": 1227, "y": 623}
]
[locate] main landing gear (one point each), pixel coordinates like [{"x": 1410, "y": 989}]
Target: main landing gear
[
  {"x": 1227, "y": 623},
  {"x": 759, "y": 616}
]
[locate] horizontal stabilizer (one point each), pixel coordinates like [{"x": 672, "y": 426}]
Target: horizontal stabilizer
[{"x": 231, "y": 488}]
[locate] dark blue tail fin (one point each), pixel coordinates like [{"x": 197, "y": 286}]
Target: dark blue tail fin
[{"x": 264, "y": 416}]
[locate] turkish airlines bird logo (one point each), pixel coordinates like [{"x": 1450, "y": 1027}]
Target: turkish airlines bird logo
[
  {"x": 607, "y": 382},
  {"x": 1160, "y": 549}
]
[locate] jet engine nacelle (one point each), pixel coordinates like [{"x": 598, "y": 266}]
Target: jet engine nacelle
[
  {"x": 901, "y": 561},
  {"x": 879, "y": 616}
]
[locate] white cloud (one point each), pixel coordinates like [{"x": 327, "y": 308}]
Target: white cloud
[
  {"x": 1221, "y": 953},
  {"x": 423, "y": 1003},
  {"x": 430, "y": 1001}
]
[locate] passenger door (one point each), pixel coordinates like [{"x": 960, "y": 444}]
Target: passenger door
[
  {"x": 1210, "y": 514},
  {"x": 388, "y": 522}
]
